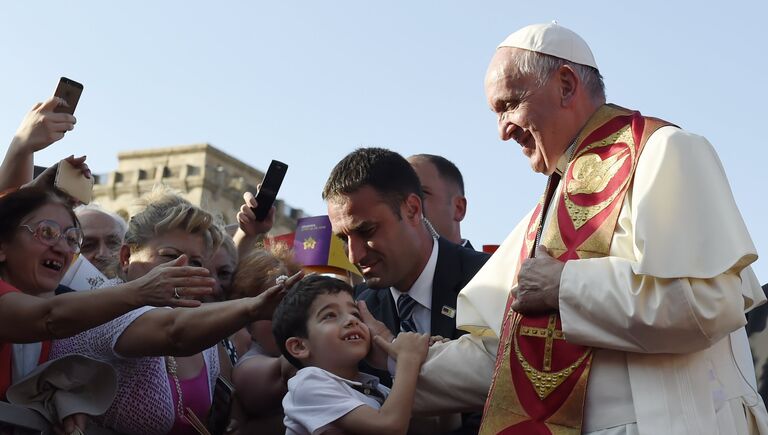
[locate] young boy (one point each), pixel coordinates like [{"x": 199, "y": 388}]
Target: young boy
[{"x": 318, "y": 329}]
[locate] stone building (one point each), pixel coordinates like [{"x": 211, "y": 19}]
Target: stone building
[{"x": 205, "y": 175}]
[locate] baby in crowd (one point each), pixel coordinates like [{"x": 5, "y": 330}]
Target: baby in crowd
[{"x": 318, "y": 329}]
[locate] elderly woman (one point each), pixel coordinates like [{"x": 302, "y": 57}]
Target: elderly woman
[
  {"x": 166, "y": 359},
  {"x": 39, "y": 236}
]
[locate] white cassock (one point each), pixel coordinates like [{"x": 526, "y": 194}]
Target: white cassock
[{"x": 664, "y": 311}]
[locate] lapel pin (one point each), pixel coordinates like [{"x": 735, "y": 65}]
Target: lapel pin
[{"x": 448, "y": 311}]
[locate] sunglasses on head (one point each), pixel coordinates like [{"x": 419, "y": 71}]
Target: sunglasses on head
[{"x": 49, "y": 233}]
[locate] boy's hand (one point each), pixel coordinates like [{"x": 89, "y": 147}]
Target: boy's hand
[
  {"x": 438, "y": 339},
  {"x": 406, "y": 345},
  {"x": 377, "y": 357}
]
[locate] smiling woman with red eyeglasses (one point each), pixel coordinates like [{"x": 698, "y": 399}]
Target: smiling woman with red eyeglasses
[{"x": 39, "y": 237}]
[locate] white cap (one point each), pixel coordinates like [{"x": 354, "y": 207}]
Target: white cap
[{"x": 554, "y": 40}]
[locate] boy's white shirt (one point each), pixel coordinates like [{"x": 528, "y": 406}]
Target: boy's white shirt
[{"x": 316, "y": 398}]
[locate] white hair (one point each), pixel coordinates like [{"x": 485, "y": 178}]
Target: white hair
[
  {"x": 542, "y": 66},
  {"x": 94, "y": 207}
]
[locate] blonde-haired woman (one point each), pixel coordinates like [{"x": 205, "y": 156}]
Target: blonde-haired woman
[{"x": 166, "y": 358}]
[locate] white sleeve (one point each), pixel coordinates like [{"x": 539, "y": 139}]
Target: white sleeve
[
  {"x": 682, "y": 291},
  {"x": 316, "y": 400},
  {"x": 604, "y": 304},
  {"x": 456, "y": 376}
]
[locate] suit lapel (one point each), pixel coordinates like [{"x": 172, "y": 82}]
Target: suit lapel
[{"x": 447, "y": 275}]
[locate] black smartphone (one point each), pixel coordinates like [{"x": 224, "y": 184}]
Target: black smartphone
[
  {"x": 68, "y": 90},
  {"x": 221, "y": 407},
  {"x": 269, "y": 187}
]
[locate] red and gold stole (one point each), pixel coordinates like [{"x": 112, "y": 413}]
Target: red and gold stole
[{"x": 540, "y": 379}]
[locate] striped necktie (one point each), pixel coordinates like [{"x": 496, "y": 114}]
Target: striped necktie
[{"x": 405, "y": 306}]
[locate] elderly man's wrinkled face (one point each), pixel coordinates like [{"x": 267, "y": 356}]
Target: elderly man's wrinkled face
[
  {"x": 527, "y": 113},
  {"x": 102, "y": 238}
]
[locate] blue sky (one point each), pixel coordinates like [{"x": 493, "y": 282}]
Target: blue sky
[{"x": 307, "y": 82}]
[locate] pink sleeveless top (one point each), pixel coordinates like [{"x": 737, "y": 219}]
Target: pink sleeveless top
[{"x": 195, "y": 395}]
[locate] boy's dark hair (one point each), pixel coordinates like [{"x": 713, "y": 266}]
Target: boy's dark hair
[
  {"x": 386, "y": 171},
  {"x": 445, "y": 168},
  {"x": 292, "y": 314}
]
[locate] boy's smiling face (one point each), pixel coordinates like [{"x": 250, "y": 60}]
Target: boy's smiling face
[{"x": 337, "y": 338}]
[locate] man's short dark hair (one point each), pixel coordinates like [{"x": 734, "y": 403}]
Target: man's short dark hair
[
  {"x": 292, "y": 314},
  {"x": 386, "y": 171},
  {"x": 446, "y": 169}
]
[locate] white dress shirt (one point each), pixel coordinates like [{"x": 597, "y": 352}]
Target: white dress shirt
[{"x": 421, "y": 292}]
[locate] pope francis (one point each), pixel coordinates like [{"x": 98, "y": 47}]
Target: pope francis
[{"x": 616, "y": 306}]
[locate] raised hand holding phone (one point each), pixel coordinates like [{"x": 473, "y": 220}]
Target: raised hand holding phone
[
  {"x": 268, "y": 189},
  {"x": 246, "y": 218},
  {"x": 69, "y": 91},
  {"x": 251, "y": 226}
]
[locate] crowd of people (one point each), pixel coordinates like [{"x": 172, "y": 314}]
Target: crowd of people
[{"x": 616, "y": 306}]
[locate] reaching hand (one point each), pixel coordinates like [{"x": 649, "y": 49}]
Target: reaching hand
[
  {"x": 161, "y": 285},
  {"x": 264, "y": 304},
  {"x": 538, "y": 284},
  {"x": 42, "y": 126},
  {"x": 406, "y": 345},
  {"x": 247, "y": 220},
  {"x": 377, "y": 357}
]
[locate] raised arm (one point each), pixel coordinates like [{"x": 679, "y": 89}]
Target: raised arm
[
  {"x": 393, "y": 417},
  {"x": 184, "y": 332},
  {"x": 40, "y": 128},
  {"x": 25, "y": 318},
  {"x": 250, "y": 229},
  {"x": 454, "y": 378}
]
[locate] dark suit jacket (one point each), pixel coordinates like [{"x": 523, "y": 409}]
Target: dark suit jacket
[
  {"x": 468, "y": 245},
  {"x": 456, "y": 265}
]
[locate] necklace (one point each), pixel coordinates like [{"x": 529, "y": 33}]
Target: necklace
[
  {"x": 173, "y": 367},
  {"x": 186, "y": 414}
]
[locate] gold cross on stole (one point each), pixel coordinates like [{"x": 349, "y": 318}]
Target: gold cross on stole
[
  {"x": 545, "y": 380},
  {"x": 549, "y": 334}
]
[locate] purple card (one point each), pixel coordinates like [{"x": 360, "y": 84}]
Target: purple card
[{"x": 312, "y": 241}]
